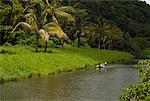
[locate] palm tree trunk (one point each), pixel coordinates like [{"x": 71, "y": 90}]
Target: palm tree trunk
[
  {"x": 104, "y": 46},
  {"x": 99, "y": 41},
  {"x": 79, "y": 39},
  {"x": 62, "y": 45},
  {"x": 37, "y": 43},
  {"x": 99, "y": 44},
  {"x": 45, "y": 46},
  {"x": 110, "y": 46}
]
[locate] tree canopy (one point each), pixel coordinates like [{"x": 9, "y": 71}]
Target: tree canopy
[{"x": 125, "y": 22}]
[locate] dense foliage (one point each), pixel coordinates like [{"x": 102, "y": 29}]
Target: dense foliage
[
  {"x": 141, "y": 91},
  {"x": 132, "y": 17},
  {"x": 121, "y": 25}
]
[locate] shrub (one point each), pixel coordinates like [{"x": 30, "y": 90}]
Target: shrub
[{"x": 140, "y": 91}]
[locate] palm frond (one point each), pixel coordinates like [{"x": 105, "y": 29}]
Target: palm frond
[
  {"x": 23, "y": 24},
  {"x": 47, "y": 2},
  {"x": 56, "y": 31},
  {"x": 77, "y": 4},
  {"x": 31, "y": 17},
  {"x": 48, "y": 9},
  {"x": 68, "y": 9},
  {"x": 65, "y": 15},
  {"x": 34, "y": 26},
  {"x": 54, "y": 19},
  {"x": 40, "y": 2},
  {"x": 44, "y": 35},
  {"x": 65, "y": 37},
  {"x": 81, "y": 11},
  {"x": 51, "y": 24}
]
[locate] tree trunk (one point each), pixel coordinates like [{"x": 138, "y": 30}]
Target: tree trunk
[
  {"x": 110, "y": 46},
  {"x": 62, "y": 45},
  {"x": 72, "y": 43},
  {"x": 1, "y": 38},
  {"x": 79, "y": 39},
  {"x": 37, "y": 43},
  {"x": 99, "y": 44},
  {"x": 45, "y": 46},
  {"x": 104, "y": 46}
]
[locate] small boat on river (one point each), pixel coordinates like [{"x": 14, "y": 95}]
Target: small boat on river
[{"x": 102, "y": 66}]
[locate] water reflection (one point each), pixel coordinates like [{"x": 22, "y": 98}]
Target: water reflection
[{"x": 87, "y": 85}]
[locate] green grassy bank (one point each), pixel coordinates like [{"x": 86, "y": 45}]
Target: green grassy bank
[{"x": 21, "y": 61}]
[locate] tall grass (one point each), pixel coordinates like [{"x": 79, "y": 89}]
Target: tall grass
[{"x": 23, "y": 62}]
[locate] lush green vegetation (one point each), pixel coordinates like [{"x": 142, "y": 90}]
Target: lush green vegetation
[
  {"x": 114, "y": 25},
  {"x": 132, "y": 17},
  {"x": 141, "y": 91},
  {"x": 86, "y": 24},
  {"x": 22, "y": 61}
]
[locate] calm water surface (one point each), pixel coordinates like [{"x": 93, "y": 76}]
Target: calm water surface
[{"x": 85, "y": 85}]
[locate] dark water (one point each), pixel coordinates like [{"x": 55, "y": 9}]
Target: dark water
[{"x": 85, "y": 85}]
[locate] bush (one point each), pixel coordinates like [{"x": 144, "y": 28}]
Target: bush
[
  {"x": 142, "y": 42},
  {"x": 141, "y": 91},
  {"x": 83, "y": 42}
]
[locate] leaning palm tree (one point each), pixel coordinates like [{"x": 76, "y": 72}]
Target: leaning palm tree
[
  {"x": 52, "y": 11},
  {"x": 45, "y": 24},
  {"x": 49, "y": 29}
]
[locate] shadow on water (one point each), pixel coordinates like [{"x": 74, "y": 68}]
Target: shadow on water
[{"x": 84, "y": 85}]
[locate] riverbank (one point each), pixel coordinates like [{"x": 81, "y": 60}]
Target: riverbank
[{"x": 22, "y": 61}]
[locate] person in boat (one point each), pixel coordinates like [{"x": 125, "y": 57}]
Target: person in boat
[
  {"x": 106, "y": 63},
  {"x": 102, "y": 65}
]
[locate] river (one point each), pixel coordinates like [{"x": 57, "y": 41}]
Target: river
[{"x": 80, "y": 85}]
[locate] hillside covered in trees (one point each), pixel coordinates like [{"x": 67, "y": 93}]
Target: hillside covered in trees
[{"x": 113, "y": 25}]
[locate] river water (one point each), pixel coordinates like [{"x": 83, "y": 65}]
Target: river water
[{"x": 84, "y": 85}]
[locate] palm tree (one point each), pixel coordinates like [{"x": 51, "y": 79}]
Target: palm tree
[
  {"x": 97, "y": 27},
  {"x": 106, "y": 33},
  {"x": 81, "y": 29},
  {"x": 100, "y": 27},
  {"x": 52, "y": 29},
  {"x": 80, "y": 23},
  {"x": 52, "y": 11},
  {"x": 112, "y": 34},
  {"x": 49, "y": 29},
  {"x": 45, "y": 24}
]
